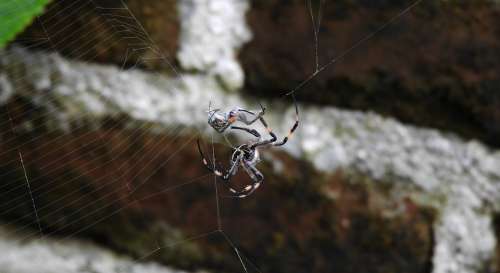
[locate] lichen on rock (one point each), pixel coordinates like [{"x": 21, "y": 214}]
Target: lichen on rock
[
  {"x": 48, "y": 255},
  {"x": 457, "y": 178},
  {"x": 212, "y": 32}
]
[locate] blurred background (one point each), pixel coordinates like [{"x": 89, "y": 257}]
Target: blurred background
[{"x": 395, "y": 166}]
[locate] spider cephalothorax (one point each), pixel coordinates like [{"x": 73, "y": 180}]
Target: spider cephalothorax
[
  {"x": 246, "y": 155},
  {"x": 218, "y": 121},
  {"x": 221, "y": 121}
]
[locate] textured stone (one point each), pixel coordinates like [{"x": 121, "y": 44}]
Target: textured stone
[
  {"x": 415, "y": 70},
  {"x": 441, "y": 190},
  {"x": 437, "y": 66},
  {"x": 212, "y": 32},
  {"x": 47, "y": 255},
  {"x": 129, "y": 33},
  {"x": 198, "y": 35},
  {"x": 459, "y": 179}
]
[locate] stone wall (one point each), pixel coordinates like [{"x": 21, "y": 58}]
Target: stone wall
[
  {"x": 104, "y": 124},
  {"x": 364, "y": 170}
]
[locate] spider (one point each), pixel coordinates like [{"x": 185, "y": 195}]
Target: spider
[{"x": 246, "y": 155}]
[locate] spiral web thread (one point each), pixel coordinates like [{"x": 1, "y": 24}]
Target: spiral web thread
[{"x": 133, "y": 34}]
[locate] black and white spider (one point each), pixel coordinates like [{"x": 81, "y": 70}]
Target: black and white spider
[{"x": 246, "y": 155}]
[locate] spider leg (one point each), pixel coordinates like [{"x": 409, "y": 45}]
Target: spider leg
[
  {"x": 266, "y": 141},
  {"x": 211, "y": 167},
  {"x": 226, "y": 177},
  {"x": 244, "y": 119},
  {"x": 257, "y": 178},
  {"x": 232, "y": 171},
  {"x": 294, "y": 127},
  {"x": 254, "y": 174},
  {"x": 250, "y": 131},
  {"x": 255, "y": 133},
  {"x": 235, "y": 162}
]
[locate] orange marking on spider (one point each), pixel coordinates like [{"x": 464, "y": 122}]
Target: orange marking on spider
[{"x": 246, "y": 155}]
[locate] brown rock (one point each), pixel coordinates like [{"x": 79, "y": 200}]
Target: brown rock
[
  {"x": 436, "y": 66},
  {"x": 104, "y": 31},
  {"x": 125, "y": 188}
]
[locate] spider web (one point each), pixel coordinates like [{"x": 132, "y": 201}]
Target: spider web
[{"x": 133, "y": 34}]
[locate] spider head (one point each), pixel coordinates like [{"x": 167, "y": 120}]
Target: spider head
[{"x": 217, "y": 121}]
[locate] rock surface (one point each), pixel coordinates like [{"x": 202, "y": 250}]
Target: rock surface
[
  {"x": 101, "y": 146},
  {"x": 129, "y": 33},
  {"x": 167, "y": 36},
  {"x": 421, "y": 169},
  {"x": 47, "y": 255},
  {"x": 436, "y": 66},
  {"x": 212, "y": 32}
]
